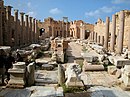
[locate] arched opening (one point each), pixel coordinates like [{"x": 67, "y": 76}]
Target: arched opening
[{"x": 42, "y": 30}]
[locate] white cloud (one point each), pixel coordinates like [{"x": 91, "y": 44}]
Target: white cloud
[
  {"x": 120, "y": 1},
  {"x": 29, "y": 4},
  {"x": 100, "y": 11},
  {"x": 55, "y": 11},
  {"x": 32, "y": 14}
]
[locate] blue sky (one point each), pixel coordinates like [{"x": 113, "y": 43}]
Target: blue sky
[{"x": 86, "y": 10}]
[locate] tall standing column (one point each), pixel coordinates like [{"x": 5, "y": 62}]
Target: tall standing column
[
  {"x": 30, "y": 29},
  {"x": 82, "y": 32},
  {"x": 98, "y": 39},
  {"x": 16, "y": 39},
  {"x": 33, "y": 29},
  {"x": 112, "y": 42},
  {"x": 22, "y": 34},
  {"x": 95, "y": 37},
  {"x": 53, "y": 33},
  {"x": 63, "y": 31},
  {"x": 8, "y": 37},
  {"x": 121, "y": 32},
  {"x": 36, "y": 31},
  {"x": 1, "y": 22},
  {"x": 106, "y": 33},
  {"x": 90, "y": 36},
  {"x": 27, "y": 30},
  {"x": 102, "y": 40}
]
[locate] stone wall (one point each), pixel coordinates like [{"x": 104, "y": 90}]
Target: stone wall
[{"x": 16, "y": 32}]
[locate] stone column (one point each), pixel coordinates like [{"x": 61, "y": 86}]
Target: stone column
[
  {"x": 102, "y": 40},
  {"x": 82, "y": 32},
  {"x": 106, "y": 33},
  {"x": 30, "y": 29},
  {"x": 22, "y": 34},
  {"x": 121, "y": 32},
  {"x": 53, "y": 32},
  {"x": 27, "y": 30},
  {"x": 8, "y": 37},
  {"x": 36, "y": 31},
  {"x": 90, "y": 36},
  {"x": 16, "y": 34},
  {"x": 1, "y": 22},
  {"x": 95, "y": 37},
  {"x": 112, "y": 42},
  {"x": 76, "y": 32},
  {"x": 98, "y": 39},
  {"x": 63, "y": 31},
  {"x": 33, "y": 29}
]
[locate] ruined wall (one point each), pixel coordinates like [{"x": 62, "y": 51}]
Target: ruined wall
[
  {"x": 55, "y": 28},
  {"x": 99, "y": 27}
]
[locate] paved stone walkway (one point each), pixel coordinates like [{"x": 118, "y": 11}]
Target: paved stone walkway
[{"x": 74, "y": 50}]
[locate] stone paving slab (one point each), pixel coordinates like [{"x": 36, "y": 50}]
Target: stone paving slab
[
  {"x": 15, "y": 93},
  {"x": 40, "y": 91},
  {"x": 46, "y": 77},
  {"x": 99, "y": 91},
  {"x": 98, "y": 78}
]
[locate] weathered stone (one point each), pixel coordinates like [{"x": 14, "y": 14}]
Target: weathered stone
[
  {"x": 61, "y": 74},
  {"x": 112, "y": 70},
  {"x": 120, "y": 61},
  {"x": 118, "y": 73},
  {"x": 92, "y": 67},
  {"x": 31, "y": 71},
  {"x": 15, "y": 93},
  {"x": 47, "y": 67},
  {"x": 72, "y": 73},
  {"x": 126, "y": 75},
  {"x": 18, "y": 74}
]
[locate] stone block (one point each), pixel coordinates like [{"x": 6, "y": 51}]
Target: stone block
[
  {"x": 47, "y": 67},
  {"x": 61, "y": 75},
  {"x": 126, "y": 76},
  {"x": 120, "y": 62},
  {"x": 112, "y": 70},
  {"x": 30, "y": 74},
  {"x": 91, "y": 58},
  {"x": 118, "y": 73},
  {"x": 89, "y": 67}
]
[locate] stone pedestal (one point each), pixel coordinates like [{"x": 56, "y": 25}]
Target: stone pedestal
[{"x": 17, "y": 74}]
